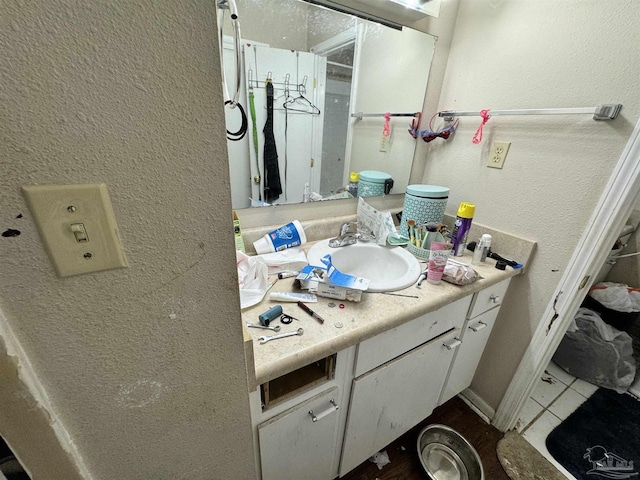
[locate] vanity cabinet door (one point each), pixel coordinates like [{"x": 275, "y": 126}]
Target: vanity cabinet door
[
  {"x": 467, "y": 357},
  {"x": 293, "y": 446},
  {"x": 393, "y": 398}
]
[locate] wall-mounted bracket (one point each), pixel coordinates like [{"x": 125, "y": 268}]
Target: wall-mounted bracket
[{"x": 607, "y": 112}]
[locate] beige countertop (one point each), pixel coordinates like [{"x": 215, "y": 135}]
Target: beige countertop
[{"x": 344, "y": 327}]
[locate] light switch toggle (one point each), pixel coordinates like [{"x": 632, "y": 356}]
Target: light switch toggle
[{"x": 79, "y": 232}]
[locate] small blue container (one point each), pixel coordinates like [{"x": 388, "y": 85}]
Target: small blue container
[
  {"x": 424, "y": 204},
  {"x": 373, "y": 183}
]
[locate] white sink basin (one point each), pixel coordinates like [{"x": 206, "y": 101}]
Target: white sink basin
[{"x": 388, "y": 268}]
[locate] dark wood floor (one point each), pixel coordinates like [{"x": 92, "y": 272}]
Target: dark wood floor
[{"x": 404, "y": 457}]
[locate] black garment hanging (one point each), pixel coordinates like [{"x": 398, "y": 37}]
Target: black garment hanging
[{"x": 272, "y": 185}]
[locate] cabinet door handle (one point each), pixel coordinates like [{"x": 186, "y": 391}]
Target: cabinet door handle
[
  {"x": 495, "y": 298},
  {"x": 452, "y": 344},
  {"x": 478, "y": 327},
  {"x": 331, "y": 409}
]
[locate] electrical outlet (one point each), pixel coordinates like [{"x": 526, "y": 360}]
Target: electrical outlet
[
  {"x": 498, "y": 154},
  {"x": 385, "y": 140}
]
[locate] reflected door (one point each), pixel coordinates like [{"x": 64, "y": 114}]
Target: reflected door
[{"x": 298, "y": 79}]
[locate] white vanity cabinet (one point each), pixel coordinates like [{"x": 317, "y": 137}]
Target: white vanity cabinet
[
  {"x": 290, "y": 445},
  {"x": 474, "y": 336},
  {"x": 381, "y": 388},
  {"x": 294, "y": 446},
  {"x": 393, "y": 398},
  {"x": 405, "y": 370}
]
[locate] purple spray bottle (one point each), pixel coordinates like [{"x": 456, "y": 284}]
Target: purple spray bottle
[{"x": 461, "y": 227}]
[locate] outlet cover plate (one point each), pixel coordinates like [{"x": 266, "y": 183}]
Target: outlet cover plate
[
  {"x": 498, "y": 154},
  {"x": 55, "y": 208}
]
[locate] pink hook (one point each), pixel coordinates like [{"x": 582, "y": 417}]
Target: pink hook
[
  {"x": 477, "y": 137},
  {"x": 385, "y": 130}
]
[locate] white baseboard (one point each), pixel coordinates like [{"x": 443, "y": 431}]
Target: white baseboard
[{"x": 478, "y": 405}]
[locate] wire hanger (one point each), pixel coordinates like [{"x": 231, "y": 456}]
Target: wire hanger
[{"x": 303, "y": 104}]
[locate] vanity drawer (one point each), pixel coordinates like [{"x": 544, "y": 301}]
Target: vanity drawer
[
  {"x": 489, "y": 298},
  {"x": 397, "y": 341}
]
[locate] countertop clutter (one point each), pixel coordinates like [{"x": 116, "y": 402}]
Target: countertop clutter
[{"x": 347, "y": 323}]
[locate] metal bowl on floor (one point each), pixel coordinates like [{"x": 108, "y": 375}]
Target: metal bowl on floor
[{"x": 447, "y": 455}]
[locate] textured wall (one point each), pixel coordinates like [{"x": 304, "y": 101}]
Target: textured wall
[
  {"x": 143, "y": 366},
  {"x": 535, "y": 54}
]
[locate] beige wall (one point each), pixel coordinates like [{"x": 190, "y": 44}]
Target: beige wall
[
  {"x": 142, "y": 367},
  {"x": 405, "y": 57},
  {"x": 535, "y": 54}
]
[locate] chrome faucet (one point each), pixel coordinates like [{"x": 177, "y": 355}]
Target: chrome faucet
[
  {"x": 350, "y": 234},
  {"x": 349, "y": 228}
]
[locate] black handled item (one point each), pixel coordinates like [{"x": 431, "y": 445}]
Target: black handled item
[{"x": 472, "y": 246}]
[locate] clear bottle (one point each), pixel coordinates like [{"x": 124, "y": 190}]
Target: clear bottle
[{"x": 352, "y": 188}]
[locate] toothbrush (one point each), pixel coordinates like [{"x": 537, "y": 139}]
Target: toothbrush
[
  {"x": 421, "y": 278},
  {"x": 418, "y": 236},
  {"x": 410, "y": 224}
]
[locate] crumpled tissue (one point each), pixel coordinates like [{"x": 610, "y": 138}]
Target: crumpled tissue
[
  {"x": 252, "y": 278},
  {"x": 380, "y": 459}
]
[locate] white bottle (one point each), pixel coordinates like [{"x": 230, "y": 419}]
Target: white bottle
[
  {"x": 287, "y": 236},
  {"x": 482, "y": 249}
]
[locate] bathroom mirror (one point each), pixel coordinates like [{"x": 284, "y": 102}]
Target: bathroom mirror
[{"x": 324, "y": 67}]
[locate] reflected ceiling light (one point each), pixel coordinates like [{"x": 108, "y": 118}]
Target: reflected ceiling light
[{"x": 412, "y": 4}]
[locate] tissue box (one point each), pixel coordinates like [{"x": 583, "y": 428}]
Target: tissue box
[{"x": 330, "y": 282}]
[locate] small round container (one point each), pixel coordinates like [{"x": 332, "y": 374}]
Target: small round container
[
  {"x": 423, "y": 203},
  {"x": 372, "y": 183},
  {"x": 445, "y": 454}
]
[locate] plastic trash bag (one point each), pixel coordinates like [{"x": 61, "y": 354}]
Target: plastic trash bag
[
  {"x": 617, "y": 296},
  {"x": 459, "y": 273},
  {"x": 597, "y": 352},
  {"x": 252, "y": 279},
  {"x": 285, "y": 260}
]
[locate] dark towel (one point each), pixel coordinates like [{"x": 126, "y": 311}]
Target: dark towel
[{"x": 272, "y": 185}]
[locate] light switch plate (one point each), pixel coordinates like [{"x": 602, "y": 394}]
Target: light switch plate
[{"x": 93, "y": 247}]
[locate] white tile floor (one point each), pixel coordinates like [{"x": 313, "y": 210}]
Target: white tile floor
[{"x": 557, "y": 396}]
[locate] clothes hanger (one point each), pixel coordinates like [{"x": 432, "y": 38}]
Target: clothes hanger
[{"x": 304, "y": 104}]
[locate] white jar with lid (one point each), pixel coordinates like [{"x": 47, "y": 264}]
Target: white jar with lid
[{"x": 424, "y": 204}]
